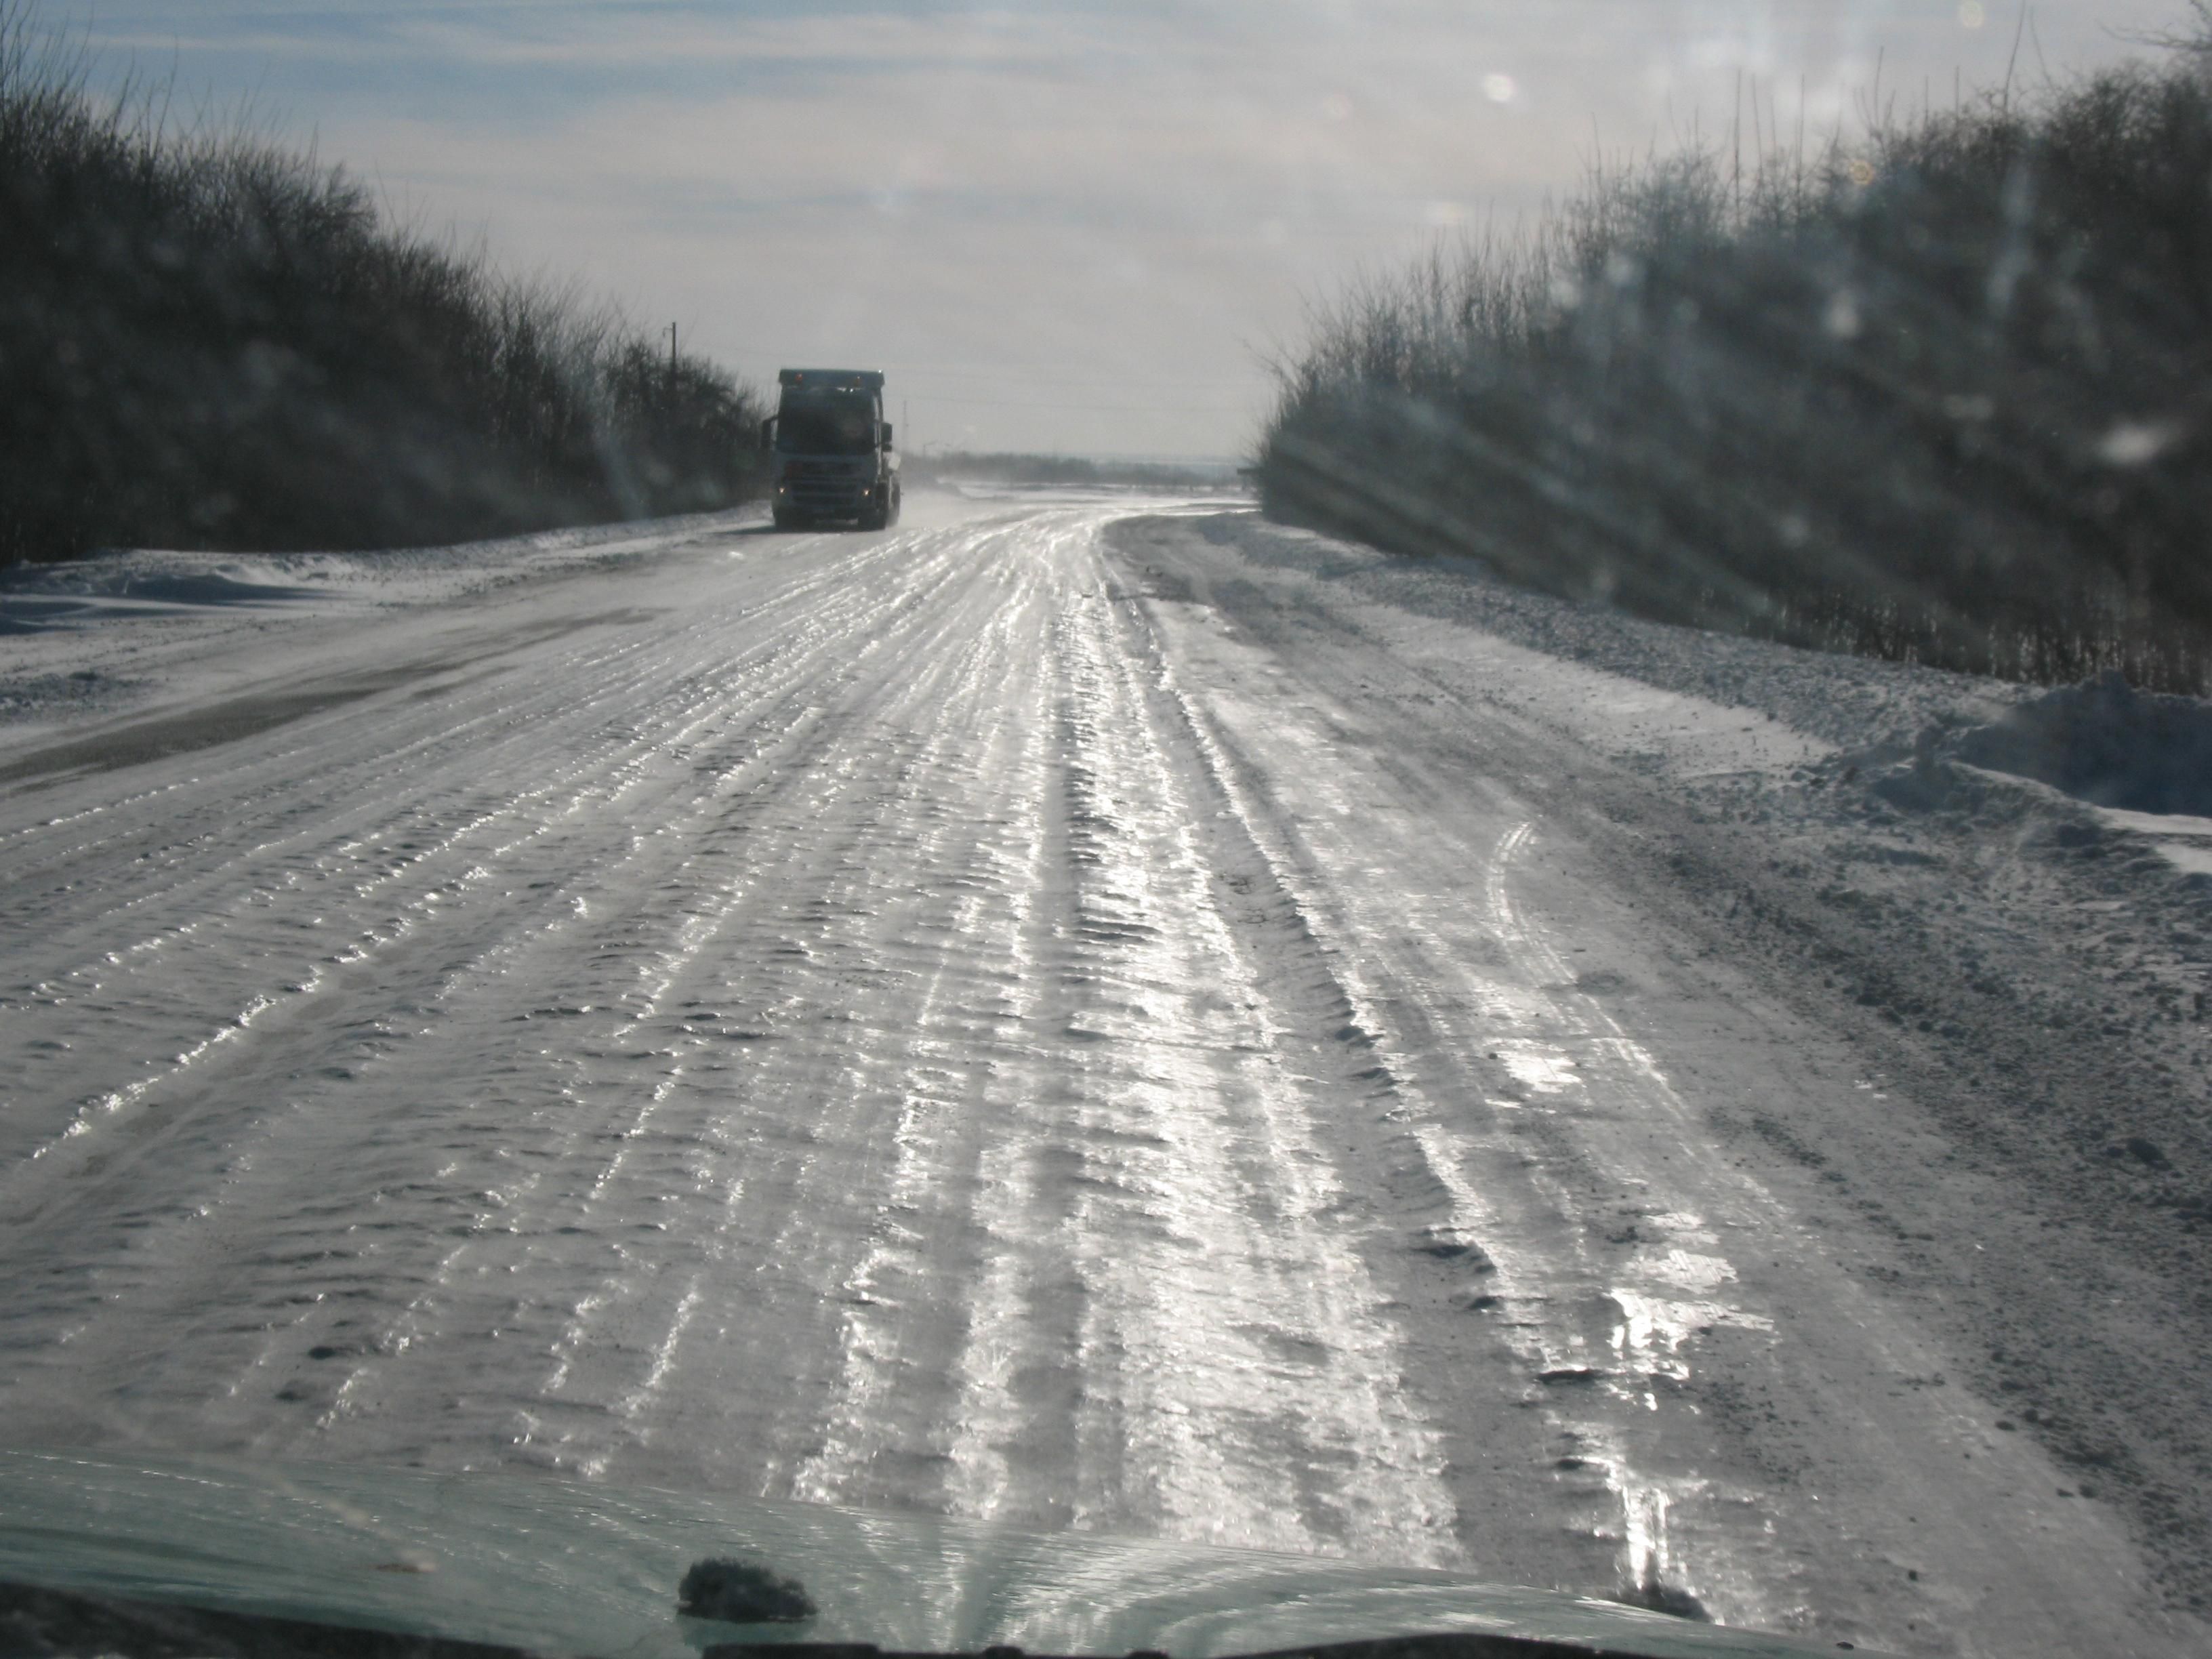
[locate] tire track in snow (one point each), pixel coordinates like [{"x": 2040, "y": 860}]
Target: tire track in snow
[
  {"x": 1433, "y": 1016},
  {"x": 1237, "y": 1379},
  {"x": 241, "y": 1167},
  {"x": 913, "y": 1109},
  {"x": 870, "y": 811},
  {"x": 592, "y": 782},
  {"x": 621, "y": 1323}
]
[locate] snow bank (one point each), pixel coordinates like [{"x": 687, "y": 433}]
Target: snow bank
[
  {"x": 2101, "y": 742},
  {"x": 2106, "y": 744},
  {"x": 124, "y": 627},
  {"x": 1852, "y": 703}
]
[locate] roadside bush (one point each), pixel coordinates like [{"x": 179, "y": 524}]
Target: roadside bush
[
  {"x": 1941, "y": 395},
  {"x": 207, "y": 340}
]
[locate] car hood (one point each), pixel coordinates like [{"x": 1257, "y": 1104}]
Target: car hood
[{"x": 557, "y": 1566}]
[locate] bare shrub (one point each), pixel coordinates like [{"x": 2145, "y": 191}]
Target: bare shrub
[
  {"x": 1941, "y": 394},
  {"x": 208, "y": 340}
]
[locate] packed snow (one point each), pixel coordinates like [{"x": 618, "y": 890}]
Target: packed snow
[{"x": 1118, "y": 1015}]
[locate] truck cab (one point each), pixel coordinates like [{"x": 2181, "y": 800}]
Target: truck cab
[{"x": 830, "y": 447}]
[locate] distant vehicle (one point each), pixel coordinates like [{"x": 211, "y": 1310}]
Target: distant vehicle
[{"x": 831, "y": 450}]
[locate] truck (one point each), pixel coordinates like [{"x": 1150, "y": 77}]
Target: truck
[{"x": 831, "y": 454}]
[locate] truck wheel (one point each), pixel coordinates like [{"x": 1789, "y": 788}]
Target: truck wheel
[{"x": 787, "y": 519}]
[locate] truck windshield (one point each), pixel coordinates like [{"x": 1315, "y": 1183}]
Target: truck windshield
[{"x": 830, "y": 425}]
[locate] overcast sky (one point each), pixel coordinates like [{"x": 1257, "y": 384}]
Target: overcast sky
[{"x": 1059, "y": 227}]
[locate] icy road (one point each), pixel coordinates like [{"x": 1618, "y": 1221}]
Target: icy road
[{"x": 1019, "y": 1017}]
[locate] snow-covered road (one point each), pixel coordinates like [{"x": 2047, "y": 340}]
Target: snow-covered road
[{"x": 957, "y": 1020}]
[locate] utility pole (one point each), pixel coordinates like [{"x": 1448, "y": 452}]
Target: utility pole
[{"x": 672, "y": 359}]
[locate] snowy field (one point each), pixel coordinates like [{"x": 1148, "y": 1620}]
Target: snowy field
[{"x": 1118, "y": 1015}]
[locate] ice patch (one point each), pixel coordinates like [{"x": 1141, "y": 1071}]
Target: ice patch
[{"x": 1544, "y": 1071}]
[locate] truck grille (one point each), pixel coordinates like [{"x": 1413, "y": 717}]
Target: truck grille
[{"x": 832, "y": 488}]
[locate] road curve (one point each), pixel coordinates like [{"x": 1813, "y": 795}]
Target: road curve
[{"x": 937, "y": 1021}]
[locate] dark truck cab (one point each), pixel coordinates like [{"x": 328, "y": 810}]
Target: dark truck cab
[{"x": 830, "y": 451}]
